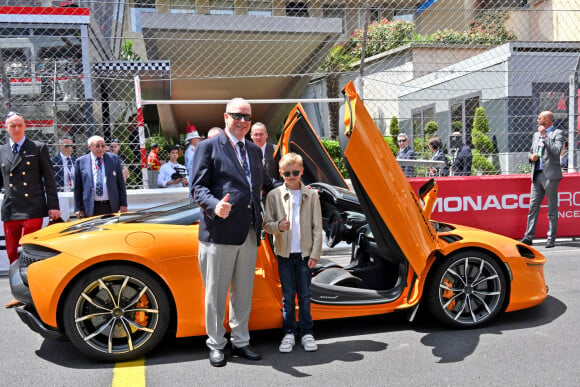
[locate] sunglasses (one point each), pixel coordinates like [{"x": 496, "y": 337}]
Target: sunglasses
[
  {"x": 401, "y": 140},
  {"x": 239, "y": 116},
  {"x": 293, "y": 173},
  {"x": 12, "y": 114},
  {"x": 68, "y": 146}
]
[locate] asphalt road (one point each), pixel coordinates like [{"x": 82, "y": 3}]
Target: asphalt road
[{"x": 535, "y": 347}]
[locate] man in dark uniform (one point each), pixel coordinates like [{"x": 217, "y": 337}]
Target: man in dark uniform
[{"x": 29, "y": 186}]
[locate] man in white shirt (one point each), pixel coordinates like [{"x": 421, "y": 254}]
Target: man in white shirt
[{"x": 172, "y": 174}]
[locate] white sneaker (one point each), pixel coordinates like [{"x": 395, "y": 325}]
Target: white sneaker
[
  {"x": 287, "y": 343},
  {"x": 309, "y": 343}
]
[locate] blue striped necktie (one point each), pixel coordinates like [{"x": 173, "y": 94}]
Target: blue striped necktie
[{"x": 99, "y": 187}]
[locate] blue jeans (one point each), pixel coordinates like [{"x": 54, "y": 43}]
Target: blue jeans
[{"x": 295, "y": 276}]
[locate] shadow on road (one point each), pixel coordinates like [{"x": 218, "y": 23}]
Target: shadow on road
[
  {"x": 455, "y": 345},
  {"x": 448, "y": 345}
]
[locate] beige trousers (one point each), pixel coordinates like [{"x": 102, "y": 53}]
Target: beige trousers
[{"x": 226, "y": 267}]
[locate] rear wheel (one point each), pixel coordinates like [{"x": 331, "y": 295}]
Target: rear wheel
[
  {"x": 467, "y": 290},
  {"x": 116, "y": 313}
]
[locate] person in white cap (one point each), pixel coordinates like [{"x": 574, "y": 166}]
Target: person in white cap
[{"x": 192, "y": 139}]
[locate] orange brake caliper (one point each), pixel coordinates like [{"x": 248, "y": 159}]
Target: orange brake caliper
[
  {"x": 447, "y": 294},
  {"x": 141, "y": 317}
]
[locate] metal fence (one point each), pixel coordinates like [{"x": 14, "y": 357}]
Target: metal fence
[{"x": 425, "y": 69}]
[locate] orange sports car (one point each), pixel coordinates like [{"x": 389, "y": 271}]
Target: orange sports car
[{"x": 115, "y": 285}]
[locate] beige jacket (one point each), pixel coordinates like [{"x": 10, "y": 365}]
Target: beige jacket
[{"x": 278, "y": 204}]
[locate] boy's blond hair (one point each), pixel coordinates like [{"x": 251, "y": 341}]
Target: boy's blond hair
[{"x": 289, "y": 159}]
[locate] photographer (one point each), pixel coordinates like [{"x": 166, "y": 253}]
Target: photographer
[{"x": 172, "y": 174}]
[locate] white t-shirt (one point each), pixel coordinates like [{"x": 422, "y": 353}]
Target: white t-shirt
[{"x": 295, "y": 246}]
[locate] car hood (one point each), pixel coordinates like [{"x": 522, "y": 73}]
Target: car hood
[{"x": 393, "y": 209}]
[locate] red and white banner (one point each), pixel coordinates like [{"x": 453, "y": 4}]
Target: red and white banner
[{"x": 500, "y": 203}]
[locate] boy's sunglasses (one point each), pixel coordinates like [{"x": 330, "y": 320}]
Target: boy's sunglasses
[
  {"x": 293, "y": 173},
  {"x": 239, "y": 116}
]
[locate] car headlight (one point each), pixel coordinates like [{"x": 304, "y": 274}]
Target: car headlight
[{"x": 28, "y": 254}]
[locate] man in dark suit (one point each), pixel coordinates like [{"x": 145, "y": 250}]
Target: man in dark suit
[
  {"x": 29, "y": 187},
  {"x": 259, "y": 135},
  {"x": 406, "y": 153},
  {"x": 99, "y": 183},
  {"x": 463, "y": 156},
  {"x": 63, "y": 164},
  {"x": 546, "y": 174},
  {"x": 228, "y": 178}
]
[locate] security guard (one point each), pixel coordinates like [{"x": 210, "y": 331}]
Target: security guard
[{"x": 29, "y": 186}]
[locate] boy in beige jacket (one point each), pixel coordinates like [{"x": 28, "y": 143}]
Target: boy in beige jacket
[{"x": 293, "y": 216}]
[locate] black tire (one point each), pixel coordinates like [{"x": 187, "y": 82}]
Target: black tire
[
  {"x": 116, "y": 313},
  {"x": 467, "y": 290}
]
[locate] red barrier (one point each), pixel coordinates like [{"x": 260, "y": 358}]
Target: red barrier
[{"x": 500, "y": 203}]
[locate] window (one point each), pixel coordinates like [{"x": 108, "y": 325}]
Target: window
[
  {"x": 181, "y": 10},
  {"x": 260, "y": 8},
  {"x": 420, "y": 119},
  {"x": 552, "y": 97},
  {"x": 404, "y": 14},
  {"x": 298, "y": 9},
  {"x": 462, "y": 115},
  {"x": 221, "y": 7},
  {"x": 374, "y": 15}
]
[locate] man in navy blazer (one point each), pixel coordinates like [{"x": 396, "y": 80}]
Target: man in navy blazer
[
  {"x": 228, "y": 178},
  {"x": 63, "y": 165},
  {"x": 99, "y": 184}
]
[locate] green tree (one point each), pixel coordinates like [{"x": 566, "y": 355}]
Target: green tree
[
  {"x": 430, "y": 129},
  {"x": 485, "y": 157},
  {"x": 394, "y": 127},
  {"x": 333, "y": 149},
  {"x": 127, "y": 52},
  {"x": 336, "y": 62}
]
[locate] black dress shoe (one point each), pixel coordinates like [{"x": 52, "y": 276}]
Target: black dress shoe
[
  {"x": 550, "y": 243},
  {"x": 217, "y": 358},
  {"x": 246, "y": 352},
  {"x": 526, "y": 241}
]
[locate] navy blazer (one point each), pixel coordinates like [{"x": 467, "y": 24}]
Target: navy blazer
[
  {"x": 28, "y": 181},
  {"x": 217, "y": 172},
  {"x": 84, "y": 190},
  {"x": 59, "y": 170},
  {"x": 407, "y": 154}
]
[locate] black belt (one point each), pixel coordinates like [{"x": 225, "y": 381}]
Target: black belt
[{"x": 101, "y": 201}]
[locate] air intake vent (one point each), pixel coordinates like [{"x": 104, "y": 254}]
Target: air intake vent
[
  {"x": 525, "y": 252},
  {"x": 450, "y": 238}
]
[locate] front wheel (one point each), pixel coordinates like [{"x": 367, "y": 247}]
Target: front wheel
[
  {"x": 467, "y": 290},
  {"x": 116, "y": 313}
]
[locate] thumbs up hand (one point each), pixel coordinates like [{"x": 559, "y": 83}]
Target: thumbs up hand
[
  {"x": 284, "y": 225},
  {"x": 223, "y": 208}
]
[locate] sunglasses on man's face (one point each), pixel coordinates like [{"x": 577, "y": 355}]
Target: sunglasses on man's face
[
  {"x": 67, "y": 146},
  {"x": 293, "y": 173},
  {"x": 239, "y": 116},
  {"x": 402, "y": 140}
]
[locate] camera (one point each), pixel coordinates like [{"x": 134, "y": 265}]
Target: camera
[{"x": 179, "y": 173}]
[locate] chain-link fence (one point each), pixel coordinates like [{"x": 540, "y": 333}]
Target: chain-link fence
[{"x": 484, "y": 69}]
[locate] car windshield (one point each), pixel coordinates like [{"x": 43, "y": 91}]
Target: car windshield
[{"x": 180, "y": 212}]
